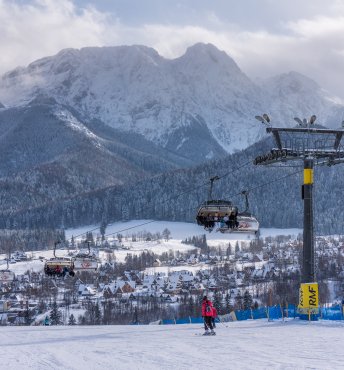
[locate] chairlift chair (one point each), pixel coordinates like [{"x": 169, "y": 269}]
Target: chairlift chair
[
  {"x": 213, "y": 211},
  {"x": 59, "y": 266},
  {"x": 85, "y": 261}
]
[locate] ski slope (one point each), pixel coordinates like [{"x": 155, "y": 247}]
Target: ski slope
[{"x": 238, "y": 345}]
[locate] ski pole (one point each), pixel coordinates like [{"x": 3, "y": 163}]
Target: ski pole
[{"x": 226, "y": 326}]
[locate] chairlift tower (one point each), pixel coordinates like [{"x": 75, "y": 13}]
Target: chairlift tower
[{"x": 314, "y": 145}]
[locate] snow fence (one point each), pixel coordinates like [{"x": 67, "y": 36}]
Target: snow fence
[{"x": 270, "y": 313}]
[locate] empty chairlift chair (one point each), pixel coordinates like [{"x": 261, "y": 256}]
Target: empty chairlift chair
[{"x": 85, "y": 261}]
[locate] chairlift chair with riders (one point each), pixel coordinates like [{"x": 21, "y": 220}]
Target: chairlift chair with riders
[
  {"x": 59, "y": 266},
  {"x": 85, "y": 261},
  {"x": 7, "y": 276},
  {"x": 226, "y": 214}
]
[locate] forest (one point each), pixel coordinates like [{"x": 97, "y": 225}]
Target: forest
[{"x": 274, "y": 195}]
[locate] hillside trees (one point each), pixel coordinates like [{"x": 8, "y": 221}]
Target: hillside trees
[
  {"x": 247, "y": 300},
  {"x": 29, "y": 240},
  {"x": 55, "y": 314},
  {"x": 71, "y": 320},
  {"x": 166, "y": 233},
  {"x": 274, "y": 198}
]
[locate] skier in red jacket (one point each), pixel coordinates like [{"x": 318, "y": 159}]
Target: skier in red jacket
[{"x": 207, "y": 314}]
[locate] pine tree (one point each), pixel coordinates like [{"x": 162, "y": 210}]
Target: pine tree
[
  {"x": 217, "y": 303},
  {"x": 125, "y": 212},
  {"x": 248, "y": 301},
  {"x": 82, "y": 320},
  {"x": 102, "y": 228},
  {"x": 238, "y": 301},
  {"x": 55, "y": 315},
  {"x": 228, "y": 250},
  {"x": 228, "y": 306},
  {"x": 166, "y": 234},
  {"x": 135, "y": 317},
  {"x": 97, "y": 314},
  {"x": 71, "y": 320}
]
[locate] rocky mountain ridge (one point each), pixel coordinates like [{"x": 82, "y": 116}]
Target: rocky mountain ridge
[
  {"x": 200, "y": 102},
  {"x": 87, "y": 120}
]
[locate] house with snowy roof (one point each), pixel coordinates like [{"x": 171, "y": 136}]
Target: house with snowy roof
[{"x": 86, "y": 290}]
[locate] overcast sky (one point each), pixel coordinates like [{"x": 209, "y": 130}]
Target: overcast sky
[{"x": 265, "y": 37}]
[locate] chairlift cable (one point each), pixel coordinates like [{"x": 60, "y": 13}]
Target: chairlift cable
[
  {"x": 193, "y": 208},
  {"x": 168, "y": 200},
  {"x": 132, "y": 227},
  {"x": 180, "y": 194},
  {"x": 196, "y": 188},
  {"x": 271, "y": 182},
  {"x": 189, "y": 191}
]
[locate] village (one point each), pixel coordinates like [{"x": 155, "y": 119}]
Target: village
[{"x": 146, "y": 286}]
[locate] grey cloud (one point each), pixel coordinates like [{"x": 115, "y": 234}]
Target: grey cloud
[{"x": 265, "y": 37}]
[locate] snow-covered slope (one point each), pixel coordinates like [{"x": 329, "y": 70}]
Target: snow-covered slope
[
  {"x": 48, "y": 151},
  {"x": 194, "y": 105},
  {"x": 238, "y": 345},
  {"x": 293, "y": 94}
]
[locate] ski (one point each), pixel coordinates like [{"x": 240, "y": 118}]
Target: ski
[{"x": 205, "y": 335}]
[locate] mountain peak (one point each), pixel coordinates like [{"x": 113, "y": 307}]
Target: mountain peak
[
  {"x": 201, "y": 47},
  {"x": 208, "y": 54},
  {"x": 201, "y": 94},
  {"x": 295, "y": 82}
]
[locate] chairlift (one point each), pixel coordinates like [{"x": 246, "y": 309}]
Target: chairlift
[
  {"x": 59, "y": 266},
  {"x": 85, "y": 261},
  {"x": 224, "y": 216}
]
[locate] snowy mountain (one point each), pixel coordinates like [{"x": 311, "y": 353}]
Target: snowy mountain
[
  {"x": 49, "y": 152},
  {"x": 292, "y": 94},
  {"x": 196, "y": 106},
  {"x": 85, "y": 120}
]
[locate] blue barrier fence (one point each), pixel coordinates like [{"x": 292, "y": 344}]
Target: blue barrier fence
[
  {"x": 270, "y": 313},
  {"x": 332, "y": 313}
]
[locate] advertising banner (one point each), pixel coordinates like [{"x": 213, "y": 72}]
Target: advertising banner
[{"x": 309, "y": 298}]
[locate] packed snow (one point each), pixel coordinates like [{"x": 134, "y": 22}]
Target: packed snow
[{"x": 250, "y": 344}]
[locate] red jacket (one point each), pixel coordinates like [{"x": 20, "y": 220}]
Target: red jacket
[
  {"x": 214, "y": 312},
  {"x": 207, "y": 308}
]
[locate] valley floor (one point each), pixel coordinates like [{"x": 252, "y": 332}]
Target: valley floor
[{"x": 256, "y": 344}]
